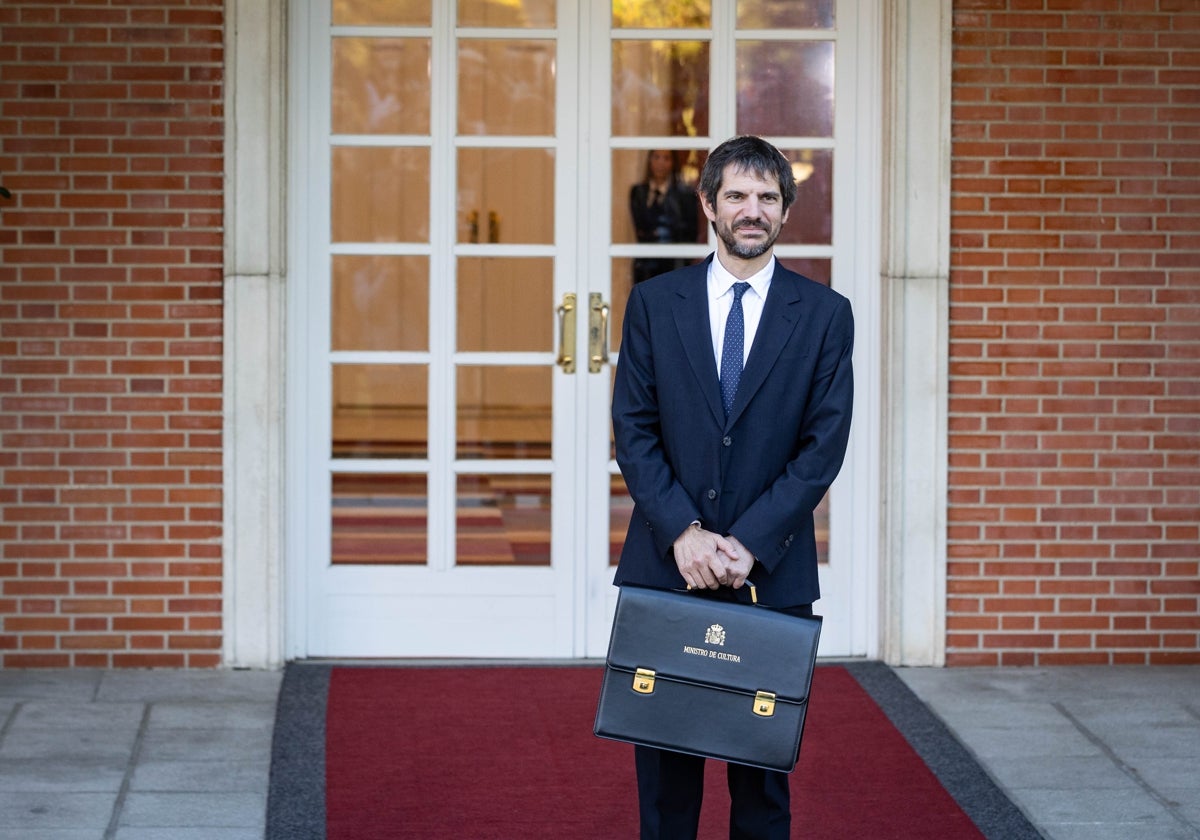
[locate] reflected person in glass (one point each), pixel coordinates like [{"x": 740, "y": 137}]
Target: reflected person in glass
[
  {"x": 663, "y": 208},
  {"x": 731, "y": 414}
]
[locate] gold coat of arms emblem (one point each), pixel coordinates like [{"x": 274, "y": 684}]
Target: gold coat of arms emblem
[{"x": 715, "y": 635}]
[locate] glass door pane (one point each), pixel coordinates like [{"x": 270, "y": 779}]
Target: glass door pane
[
  {"x": 381, "y": 85},
  {"x": 379, "y": 519},
  {"x": 660, "y": 88},
  {"x": 540, "y": 14},
  {"x": 382, "y": 12},
  {"x": 506, "y": 86},
  {"x": 785, "y": 14}
]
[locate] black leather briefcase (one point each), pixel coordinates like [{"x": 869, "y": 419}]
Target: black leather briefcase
[{"x": 707, "y": 676}]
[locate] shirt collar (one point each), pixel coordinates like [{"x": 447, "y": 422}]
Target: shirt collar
[{"x": 720, "y": 280}]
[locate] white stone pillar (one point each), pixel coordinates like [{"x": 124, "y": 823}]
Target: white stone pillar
[
  {"x": 253, "y": 429},
  {"x": 915, "y": 280}
]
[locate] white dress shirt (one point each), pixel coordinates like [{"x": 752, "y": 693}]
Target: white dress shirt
[{"x": 720, "y": 301}]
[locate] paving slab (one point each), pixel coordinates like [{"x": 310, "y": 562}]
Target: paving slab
[
  {"x": 202, "y": 776},
  {"x": 80, "y": 684},
  {"x": 190, "y": 686},
  {"x": 68, "y": 744},
  {"x": 1116, "y": 831},
  {"x": 30, "y": 811},
  {"x": 179, "y": 833},
  {"x": 54, "y": 775},
  {"x": 225, "y": 715},
  {"x": 165, "y": 744},
  {"x": 41, "y": 714},
  {"x": 194, "y": 810}
]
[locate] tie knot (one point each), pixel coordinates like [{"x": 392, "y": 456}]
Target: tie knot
[{"x": 739, "y": 289}]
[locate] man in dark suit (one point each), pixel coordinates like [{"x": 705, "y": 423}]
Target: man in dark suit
[
  {"x": 663, "y": 209},
  {"x": 731, "y": 412}
]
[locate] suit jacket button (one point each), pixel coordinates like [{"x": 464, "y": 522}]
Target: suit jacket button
[
  {"x": 727, "y": 440},
  {"x": 712, "y": 494}
]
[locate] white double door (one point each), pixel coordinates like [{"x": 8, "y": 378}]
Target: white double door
[{"x": 461, "y": 246}]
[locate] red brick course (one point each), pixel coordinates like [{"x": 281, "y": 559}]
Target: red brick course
[
  {"x": 1074, "y": 510},
  {"x": 111, "y": 141}
]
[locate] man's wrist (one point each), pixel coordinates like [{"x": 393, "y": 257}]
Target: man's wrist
[{"x": 695, "y": 523}]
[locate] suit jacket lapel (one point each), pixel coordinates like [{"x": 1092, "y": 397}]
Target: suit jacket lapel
[
  {"x": 691, "y": 320},
  {"x": 781, "y": 313}
]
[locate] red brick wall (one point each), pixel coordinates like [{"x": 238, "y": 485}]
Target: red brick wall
[
  {"x": 110, "y": 332},
  {"x": 1075, "y": 332}
]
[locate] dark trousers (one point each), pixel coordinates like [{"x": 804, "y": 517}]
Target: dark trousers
[{"x": 671, "y": 788}]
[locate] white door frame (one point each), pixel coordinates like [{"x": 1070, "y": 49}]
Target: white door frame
[
  {"x": 261, "y": 597},
  {"x": 855, "y": 496}
]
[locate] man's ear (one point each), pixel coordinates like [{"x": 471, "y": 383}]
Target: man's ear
[{"x": 708, "y": 209}]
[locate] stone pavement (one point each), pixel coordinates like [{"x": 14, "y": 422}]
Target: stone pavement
[
  {"x": 1088, "y": 753},
  {"x": 135, "y": 755},
  {"x": 1095, "y": 753}
]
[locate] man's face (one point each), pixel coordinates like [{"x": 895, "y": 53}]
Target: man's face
[{"x": 749, "y": 212}]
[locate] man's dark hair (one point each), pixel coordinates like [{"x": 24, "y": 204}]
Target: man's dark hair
[{"x": 748, "y": 154}]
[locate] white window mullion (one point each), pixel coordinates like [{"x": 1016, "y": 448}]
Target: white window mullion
[
  {"x": 319, "y": 286},
  {"x": 443, "y": 182},
  {"x": 722, "y": 120},
  {"x": 597, "y": 598},
  {"x": 309, "y": 371},
  {"x": 859, "y": 139}
]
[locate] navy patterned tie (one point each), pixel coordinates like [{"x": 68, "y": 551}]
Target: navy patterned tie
[{"x": 733, "y": 348}]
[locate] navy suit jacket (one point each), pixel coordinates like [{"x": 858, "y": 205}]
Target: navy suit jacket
[{"x": 757, "y": 474}]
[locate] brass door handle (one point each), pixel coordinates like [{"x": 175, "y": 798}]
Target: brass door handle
[
  {"x": 566, "y": 333},
  {"x": 597, "y": 332}
]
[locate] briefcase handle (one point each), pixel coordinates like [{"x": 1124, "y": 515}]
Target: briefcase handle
[{"x": 753, "y": 591}]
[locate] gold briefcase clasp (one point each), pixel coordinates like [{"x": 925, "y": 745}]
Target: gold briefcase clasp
[
  {"x": 764, "y": 704},
  {"x": 643, "y": 681}
]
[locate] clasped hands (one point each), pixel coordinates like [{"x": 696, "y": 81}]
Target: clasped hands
[{"x": 708, "y": 560}]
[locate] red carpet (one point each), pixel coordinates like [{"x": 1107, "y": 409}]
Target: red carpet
[{"x": 508, "y": 753}]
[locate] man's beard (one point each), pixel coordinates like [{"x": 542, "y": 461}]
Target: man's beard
[{"x": 750, "y": 250}]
